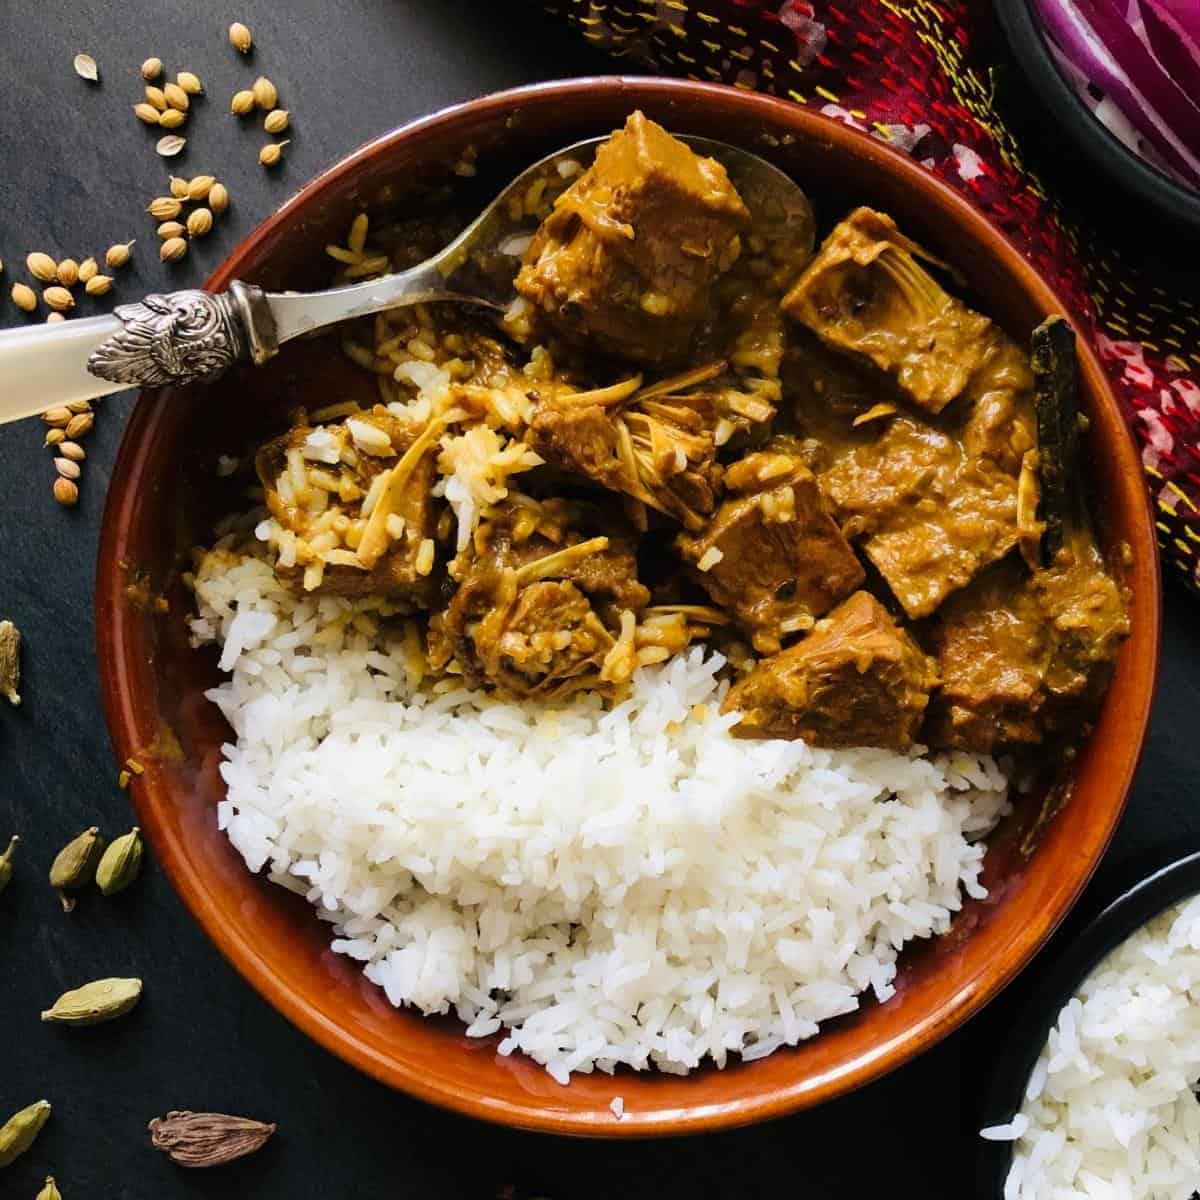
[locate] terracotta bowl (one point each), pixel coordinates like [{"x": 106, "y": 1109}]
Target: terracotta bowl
[{"x": 165, "y": 495}]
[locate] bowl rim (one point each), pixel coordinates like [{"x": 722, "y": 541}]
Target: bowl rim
[
  {"x": 1172, "y": 876},
  {"x": 114, "y": 637},
  {"x": 1027, "y": 41}
]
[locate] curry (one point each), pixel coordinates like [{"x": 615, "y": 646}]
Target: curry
[{"x": 827, "y": 465}]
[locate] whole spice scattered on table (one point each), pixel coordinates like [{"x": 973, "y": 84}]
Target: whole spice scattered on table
[
  {"x": 207, "y": 1139},
  {"x": 50, "y": 1190},
  {"x": 75, "y": 865},
  {"x": 94, "y": 1003},
  {"x": 20, "y": 1131},
  {"x": 6, "y": 867},
  {"x": 10, "y": 662},
  {"x": 120, "y": 864}
]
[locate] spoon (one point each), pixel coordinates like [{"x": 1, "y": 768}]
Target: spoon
[{"x": 194, "y": 336}]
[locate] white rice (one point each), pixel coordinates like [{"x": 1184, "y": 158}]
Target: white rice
[
  {"x": 1110, "y": 1110},
  {"x": 628, "y": 886}
]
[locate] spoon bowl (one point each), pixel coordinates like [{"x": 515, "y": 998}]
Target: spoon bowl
[{"x": 195, "y": 337}]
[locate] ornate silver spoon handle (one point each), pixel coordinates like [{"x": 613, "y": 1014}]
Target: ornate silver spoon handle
[
  {"x": 185, "y": 337},
  {"x": 178, "y": 338}
]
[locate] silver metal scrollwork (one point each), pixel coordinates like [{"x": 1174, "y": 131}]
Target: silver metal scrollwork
[{"x": 186, "y": 337}]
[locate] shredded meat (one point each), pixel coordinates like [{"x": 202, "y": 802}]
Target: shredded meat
[{"x": 857, "y": 680}]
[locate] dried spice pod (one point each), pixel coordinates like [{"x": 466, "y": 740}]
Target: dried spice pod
[
  {"x": 242, "y": 103},
  {"x": 54, "y": 317},
  {"x": 190, "y": 82},
  {"x": 20, "y": 1131},
  {"x": 24, "y": 297},
  {"x": 85, "y": 68},
  {"x": 164, "y": 208},
  {"x": 42, "y": 267},
  {"x": 271, "y": 154},
  {"x": 58, "y": 298},
  {"x": 6, "y": 867},
  {"x": 68, "y": 272},
  {"x": 98, "y": 285},
  {"x": 176, "y": 97},
  {"x": 218, "y": 198},
  {"x": 50, "y": 1190},
  {"x": 171, "y": 229},
  {"x": 60, "y": 415},
  {"x": 173, "y": 249},
  {"x": 87, "y": 270},
  {"x": 54, "y": 437},
  {"x": 199, "y": 222},
  {"x": 72, "y": 450},
  {"x": 118, "y": 255},
  {"x": 156, "y": 98},
  {"x": 80, "y": 425},
  {"x": 194, "y": 1139},
  {"x": 146, "y": 113},
  {"x": 170, "y": 145},
  {"x": 276, "y": 120},
  {"x": 121, "y": 863},
  {"x": 10, "y": 662},
  {"x": 94, "y": 1003},
  {"x": 240, "y": 38},
  {"x": 266, "y": 94},
  {"x": 75, "y": 865},
  {"x": 66, "y": 468},
  {"x": 67, "y": 494},
  {"x": 173, "y": 118},
  {"x": 152, "y": 68},
  {"x": 199, "y": 187}
]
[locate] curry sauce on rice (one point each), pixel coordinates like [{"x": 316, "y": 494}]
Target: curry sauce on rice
[{"x": 711, "y": 533}]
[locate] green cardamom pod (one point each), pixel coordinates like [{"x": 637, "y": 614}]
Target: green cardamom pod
[
  {"x": 50, "y": 1191},
  {"x": 121, "y": 863},
  {"x": 6, "y": 868},
  {"x": 18, "y": 1133},
  {"x": 75, "y": 866},
  {"x": 96, "y": 1002}
]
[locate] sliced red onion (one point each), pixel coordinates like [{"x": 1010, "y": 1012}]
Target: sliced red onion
[
  {"x": 1082, "y": 46},
  {"x": 1173, "y": 44},
  {"x": 1146, "y": 73}
]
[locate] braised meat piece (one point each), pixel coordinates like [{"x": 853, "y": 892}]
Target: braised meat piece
[
  {"x": 654, "y": 447},
  {"x": 1022, "y": 656},
  {"x": 866, "y": 295},
  {"x": 856, "y": 680},
  {"x": 319, "y": 481},
  {"x": 930, "y": 517},
  {"x": 771, "y": 555},
  {"x": 624, "y": 262},
  {"x": 540, "y": 598}
]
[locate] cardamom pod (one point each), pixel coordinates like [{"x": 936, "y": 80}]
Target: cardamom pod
[
  {"x": 6, "y": 868},
  {"x": 94, "y": 1003},
  {"x": 19, "y": 1132},
  {"x": 207, "y": 1139},
  {"x": 121, "y": 863},
  {"x": 50, "y": 1191},
  {"x": 75, "y": 866},
  {"x": 10, "y": 662}
]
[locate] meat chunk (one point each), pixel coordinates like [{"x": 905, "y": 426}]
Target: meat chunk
[
  {"x": 319, "y": 481},
  {"x": 541, "y": 598},
  {"x": 772, "y": 555},
  {"x": 857, "y": 680},
  {"x": 660, "y": 450},
  {"x": 1022, "y": 656},
  {"x": 624, "y": 261},
  {"x": 866, "y": 295},
  {"x": 931, "y": 517}
]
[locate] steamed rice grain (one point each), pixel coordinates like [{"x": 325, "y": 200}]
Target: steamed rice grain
[{"x": 598, "y": 886}]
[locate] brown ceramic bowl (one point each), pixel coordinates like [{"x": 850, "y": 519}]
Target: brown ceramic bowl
[{"x": 165, "y": 496}]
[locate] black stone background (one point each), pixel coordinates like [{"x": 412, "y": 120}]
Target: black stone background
[{"x": 75, "y": 173}]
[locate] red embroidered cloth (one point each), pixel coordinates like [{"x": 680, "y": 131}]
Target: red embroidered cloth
[{"x": 911, "y": 72}]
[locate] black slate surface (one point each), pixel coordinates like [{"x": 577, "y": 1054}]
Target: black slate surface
[{"x": 75, "y": 173}]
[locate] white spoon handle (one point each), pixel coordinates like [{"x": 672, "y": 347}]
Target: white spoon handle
[{"x": 44, "y": 366}]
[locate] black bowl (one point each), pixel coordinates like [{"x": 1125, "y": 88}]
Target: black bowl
[
  {"x": 1163, "y": 878},
  {"x": 1099, "y": 149}
]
